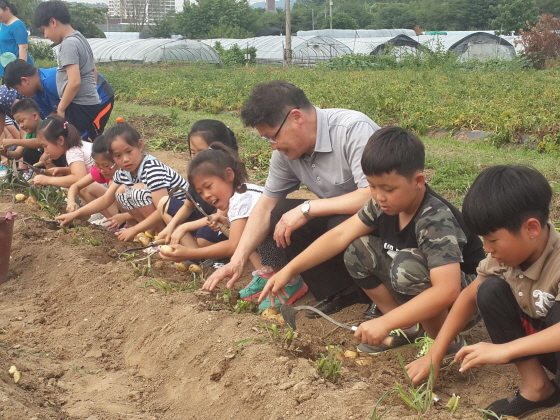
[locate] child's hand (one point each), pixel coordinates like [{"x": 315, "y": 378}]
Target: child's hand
[
  {"x": 71, "y": 207},
  {"x": 180, "y": 253},
  {"x": 482, "y": 354},
  {"x": 113, "y": 223},
  {"x": 126, "y": 235},
  {"x": 165, "y": 234},
  {"x": 7, "y": 143},
  {"x": 275, "y": 286},
  {"x": 58, "y": 171},
  {"x": 41, "y": 180},
  {"x": 419, "y": 370},
  {"x": 372, "y": 332},
  {"x": 177, "y": 235},
  {"x": 214, "y": 221},
  {"x": 65, "y": 219}
]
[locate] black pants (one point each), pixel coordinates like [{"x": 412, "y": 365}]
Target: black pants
[
  {"x": 505, "y": 321},
  {"x": 329, "y": 277}
]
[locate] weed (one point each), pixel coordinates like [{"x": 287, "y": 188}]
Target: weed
[
  {"x": 379, "y": 416},
  {"x": 192, "y": 285},
  {"x": 163, "y": 286},
  {"x": 226, "y": 298},
  {"x": 240, "y": 344},
  {"x": 419, "y": 398},
  {"x": 84, "y": 371},
  {"x": 242, "y": 305},
  {"x": 453, "y": 403},
  {"x": 272, "y": 330},
  {"x": 288, "y": 336},
  {"x": 129, "y": 256},
  {"x": 141, "y": 270},
  {"x": 93, "y": 241},
  {"x": 329, "y": 366},
  {"x": 489, "y": 414}
]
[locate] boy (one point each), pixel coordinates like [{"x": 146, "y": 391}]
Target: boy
[
  {"x": 40, "y": 84},
  {"x": 76, "y": 76},
  {"x": 407, "y": 247},
  {"x": 516, "y": 290}
]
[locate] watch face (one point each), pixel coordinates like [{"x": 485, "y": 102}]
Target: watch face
[{"x": 305, "y": 208}]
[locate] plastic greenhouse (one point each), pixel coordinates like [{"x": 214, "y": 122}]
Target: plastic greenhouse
[
  {"x": 306, "y": 51},
  {"x": 152, "y": 50},
  {"x": 477, "y": 45},
  {"x": 398, "y": 46},
  {"x": 358, "y": 33}
]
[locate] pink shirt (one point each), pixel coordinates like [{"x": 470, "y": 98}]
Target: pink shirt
[{"x": 94, "y": 172}]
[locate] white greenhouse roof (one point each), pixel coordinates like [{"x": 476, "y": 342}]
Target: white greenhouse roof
[
  {"x": 370, "y": 46},
  {"x": 305, "y": 50},
  {"x": 358, "y": 33},
  {"x": 474, "y": 45},
  {"x": 152, "y": 50}
]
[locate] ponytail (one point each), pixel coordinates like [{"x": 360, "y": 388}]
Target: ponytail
[{"x": 215, "y": 161}]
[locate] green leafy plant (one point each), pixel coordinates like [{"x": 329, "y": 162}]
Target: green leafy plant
[
  {"x": 272, "y": 330},
  {"x": 489, "y": 414},
  {"x": 240, "y": 344},
  {"x": 419, "y": 398},
  {"x": 160, "y": 285},
  {"x": 289, "y": 334},
  {"x": 329, "y": 366},
  {"x": 93, "y": 241}
]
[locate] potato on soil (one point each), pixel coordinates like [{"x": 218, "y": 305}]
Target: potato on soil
[
  {"x": 32, "y": 201},
  {"x": 193, "y": 268},
  {"x": 181, "y": 266},
  {"x": 143, "y": 239},
  {"x": 158, "y": 265},
  {"x": 166, "y": 248},
  {"x": 349, "y": 354},
  {"x": 20, "y": 197},
  {"x": 270, "y": 313}
]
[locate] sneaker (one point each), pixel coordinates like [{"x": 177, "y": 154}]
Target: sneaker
[
  {"x": 426, "y": 342},
  {"x": 253, "y": 289},
  {"x": 372, "y": 312},
  {"x": 517, "y": 406},
  {"x": 401, "y": 338},
  {"x": 295, "y": 291}
]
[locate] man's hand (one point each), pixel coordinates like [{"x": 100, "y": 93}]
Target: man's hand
[
  {"x": 482, "y": 354},
  {"x": 372, "y": 332},
  {"x": 419, "y": 369},
  {"x": 180, "y": 253},
  {"x": 290, "y": 221},
  {"x": 232, "y": 270}
]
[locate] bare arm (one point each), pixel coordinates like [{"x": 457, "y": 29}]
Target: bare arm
[
  {"x": 23, "y": 51},
  {"x": 77, "y": 171},
  {"x": 93, "y": 207},
  {"x": 75, "y": 189},
  {"x": 149, "y": 222},
  {"x": 71, "y": 89},
  {"x": 32, "y": 143}
]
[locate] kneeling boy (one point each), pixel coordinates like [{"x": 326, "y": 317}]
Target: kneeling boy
[
  {"x": 407, "y": 248},
  {"x": 516, "y": 291}
]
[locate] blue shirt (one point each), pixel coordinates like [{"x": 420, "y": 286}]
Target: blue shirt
[
  {"x": 7, "y": 98},
  {"x": 48, "y": 99},
  {"x": 10, "y": 37}
]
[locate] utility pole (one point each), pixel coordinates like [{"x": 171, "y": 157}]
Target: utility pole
[
  {"x": 330, "y": 9},
  {"x": 288, "y": 49},
  {"x": 312, "y": 20}
]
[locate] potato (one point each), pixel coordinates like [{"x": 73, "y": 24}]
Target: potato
[
  {"x": 166, "y": 248},
  {"x": 17, "y": 376},
  {"x": 32, "y": 201},
  {"x": 193, "y": 268},
  {"x": 364, "y": 361},
  {"x": 349, "y": 354},
  {"x": 270, "y": 313},
  {"x": 181, "y": 266},
  {"x": 143, "y": 239},
  {"x": 20, "y": 197},
  {"x": 159, "y": 265},
  {"x": 12, "y": 370}
]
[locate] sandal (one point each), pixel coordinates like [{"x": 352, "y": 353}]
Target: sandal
[{"x": 517, "y": 406}]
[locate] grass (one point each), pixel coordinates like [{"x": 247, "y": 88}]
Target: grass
[{"x": 329, "y": 365}]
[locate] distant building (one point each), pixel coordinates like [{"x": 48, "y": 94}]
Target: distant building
[{"x": 147, "y": 10}]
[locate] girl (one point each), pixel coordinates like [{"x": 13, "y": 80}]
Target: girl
[
  {"x": 59, "y": 138},
  {"x": 184, "y": 217},
  {"x": 13, "y": 34},
  {"x": 101, "y": 172},
  {"x": 219, "y": 177},
  {"x": 140, "y": 181}
]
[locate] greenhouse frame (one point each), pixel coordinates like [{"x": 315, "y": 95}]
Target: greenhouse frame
[
  {"x": 399, "y": 46},
  {"x": 358, "y": 33}
]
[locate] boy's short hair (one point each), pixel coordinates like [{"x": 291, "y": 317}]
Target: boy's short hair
[
  {"x": 504, "y": 197},
  {"x": 391, "y": 149},
  {"x": 25, "y": 105},
  {"x": 269, "y": 102},
  {"x": 52, "y": 9},
  {"x": 17, "y": 69}
]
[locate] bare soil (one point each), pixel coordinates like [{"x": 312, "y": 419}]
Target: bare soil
[{"x": 94, "y": 341}]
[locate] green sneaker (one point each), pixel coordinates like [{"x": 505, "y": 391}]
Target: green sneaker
[
  {"x": 253, "y": 289},
  {"x": 426, "y": 342},
  {"x": 294, "y": 291},
  {"x": 401, "y": 338}
]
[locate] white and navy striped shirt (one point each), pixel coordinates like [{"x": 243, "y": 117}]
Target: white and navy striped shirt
[{"x": 155, "y": 176}]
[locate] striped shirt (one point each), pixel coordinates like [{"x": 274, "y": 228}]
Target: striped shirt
[{"x": 155, "y": 176}]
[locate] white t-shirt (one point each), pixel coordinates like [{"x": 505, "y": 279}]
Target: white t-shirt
[
  {"x": 241, "y": 205},
  {"x": 82, "y": 153}
]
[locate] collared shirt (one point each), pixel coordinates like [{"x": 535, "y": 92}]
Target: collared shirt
[
  {"x": 334, "y": 168},
  {"x": 535, "y": 288}
]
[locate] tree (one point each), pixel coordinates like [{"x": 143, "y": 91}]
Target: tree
[
  {"x": 542, "y": 41},
  {"x": 196, "y": 21},
  {"x": 165, "y": 27},
  {"x": 341, "y": 20},
  {"x": 394, "y": 15},
  {"x": 26, "y": 8},
  {"x": 514, "y": 15},
  {"x": 549, "y": 7},
  {"x": 85, "y": 19}
]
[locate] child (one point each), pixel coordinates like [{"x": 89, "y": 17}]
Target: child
[
  {"x": 140, "y": 181},
  {"x": 41, "y": 85},
  {"x": 516, "y": 290},
  {"x": 407, "y": 248},
  {"x": 219, "y": 177},
  {"x": 184, "y": 217},
  {"x": 100, "y": 174},
  {"x": 76, "y": 77}
]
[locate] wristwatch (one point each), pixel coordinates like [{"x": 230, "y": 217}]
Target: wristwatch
[{"x": 305, "y": 207}]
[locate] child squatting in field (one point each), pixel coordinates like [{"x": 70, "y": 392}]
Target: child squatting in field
[
  {"x": 407, "y": 248},
  {"x": 516, "y": 290}
]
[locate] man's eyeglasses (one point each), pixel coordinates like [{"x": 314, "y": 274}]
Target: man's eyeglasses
[{"x": 272, "y": 140}]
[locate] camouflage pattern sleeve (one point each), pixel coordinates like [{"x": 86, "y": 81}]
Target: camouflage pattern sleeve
[
  {"x": 369, "y": 214},
  {"x": 439, "y": 234}
]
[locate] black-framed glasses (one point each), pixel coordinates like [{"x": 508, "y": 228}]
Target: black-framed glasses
[{"x": 272, "y": 140}]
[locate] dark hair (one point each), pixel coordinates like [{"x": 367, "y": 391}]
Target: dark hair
[
  {"x": 125, "y": 131},
  {"x": 99, "y": 147},
  {"x": 212, "y": 131},
  {"x": 5, "y": 5},
  {"x": 504, "y": 197},
  {"x": 52, "y": 9},
  {"x": 25, "y": 105},
  {"x": 215, "y": 161},
  {"x": 17, "y": 69},
  {"x": 269, "y": 102},
  {"x": 393, "y": 149},
  {"x": 54, "y": 127}
]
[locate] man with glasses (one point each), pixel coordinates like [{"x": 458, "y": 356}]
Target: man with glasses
[{"x": 322, "y": 149}]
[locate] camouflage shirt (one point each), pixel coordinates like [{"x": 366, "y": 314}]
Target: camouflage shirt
[{"x": 437, "y": 229}]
